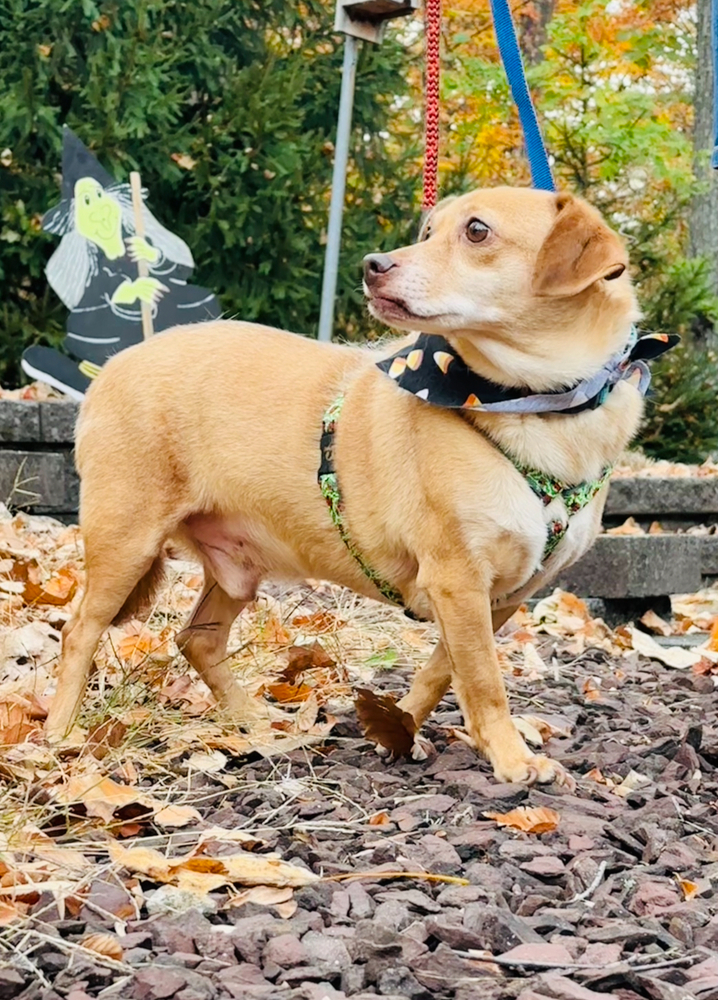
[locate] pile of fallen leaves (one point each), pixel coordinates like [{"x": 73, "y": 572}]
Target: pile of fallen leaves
[
  {"x": 115, "y": 799},
  {"x": 35, "y": 392}
]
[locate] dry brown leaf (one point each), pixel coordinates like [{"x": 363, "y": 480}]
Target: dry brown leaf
[
  {"x": 672, "y": 656},
  {"x": 704, "y": 666},
  {"x": 106, "y": 736},
  {"x": 273, "y": 631},
  {"x": 301, "y": 658},
  {"x": 10, "y": 912},
  {"x": 591, "y": 689},
  {"x": 655, "y": 623},
  {"x": 100, "y": 796},
  {"x": 629, "y": 527},
  {"x": 206, "y": 874},
  {"x": 15, "y": 723},
  {"x": 595, "y": 774},
  {"x": 527, "y": 819},
  {"x": 379, "y": 819},
  {"x": 58, "y": 590},
  {"x": 529, "y": 732},
  {"x": 103, "y": 944},
  {"x": 184, "y": 160},
  {"x": 15, "y": 880},
  {"x": 713, "y": 641},
  {"x": 183, "y": 690},
  {"x": 173, "y": 816},
  {"x": 320, "y": 621},
  {"x": 307, "y": 714},
  {"x": 631, "y": 783},
  {"x": 264, "y": 895},
  {"x": 138, "y": 645},
  {"x": 384, "y": 722}
]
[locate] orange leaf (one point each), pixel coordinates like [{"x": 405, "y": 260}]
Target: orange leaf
[
  {"x": 379, "y": 819},
  {"x": 15, "y": 724},
  {"x": 384, "y": 722},
  {"x": 9, "y": 912},
  {"x": 103, "y": 944},
  {"x": 704, "y": 666},
  {"x": 320, "y": 621},
  {"x": 713, "y": 644},
  {"x": 58, "y": 590},
  {"x": 289, "y": 694},
  {"x": 595, "y": 774},
  {"x": 527, "y": 819},
  {"x": 137, "y": 646},
  {"x": 629, "y": 527},
  {"x": 689, "y": 889},
  {"x": 274, "y": 631}
]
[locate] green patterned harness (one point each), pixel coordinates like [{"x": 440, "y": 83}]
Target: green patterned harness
[{"x": 546, "y": 488}]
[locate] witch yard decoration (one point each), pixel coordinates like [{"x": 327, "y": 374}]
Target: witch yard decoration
[{"x": 121, "y": 274}]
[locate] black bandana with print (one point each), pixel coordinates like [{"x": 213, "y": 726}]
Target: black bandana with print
[{"x": 431, "y": 369}]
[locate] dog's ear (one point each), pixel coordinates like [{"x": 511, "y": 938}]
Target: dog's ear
[{"x": 579, "y": 250}]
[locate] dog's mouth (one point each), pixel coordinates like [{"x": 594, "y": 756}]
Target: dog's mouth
[{"x": 391, "y": 308}]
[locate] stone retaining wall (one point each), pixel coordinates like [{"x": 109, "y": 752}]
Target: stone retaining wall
[{"x": 37, "y": 472}]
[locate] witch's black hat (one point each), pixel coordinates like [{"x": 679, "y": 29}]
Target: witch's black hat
[{"x": 77, "y": 162}]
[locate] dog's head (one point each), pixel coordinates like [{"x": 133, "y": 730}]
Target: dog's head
[{"x": 531, "y": 286}]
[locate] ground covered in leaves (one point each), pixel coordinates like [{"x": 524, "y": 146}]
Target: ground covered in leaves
[{"x": 164, "y": 854}]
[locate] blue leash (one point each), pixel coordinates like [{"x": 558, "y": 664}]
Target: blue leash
[{"x": 513, "y": 64}]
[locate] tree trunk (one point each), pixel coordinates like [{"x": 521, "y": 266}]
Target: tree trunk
[
  {"x": 532, "y": 30},
  {"x": 704, "y": 208}
]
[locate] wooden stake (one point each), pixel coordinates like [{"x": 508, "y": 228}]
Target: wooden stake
[{"x": 142, "y": 268}]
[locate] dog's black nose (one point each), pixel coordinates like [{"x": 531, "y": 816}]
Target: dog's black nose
[{"x": 376, "y": 264}]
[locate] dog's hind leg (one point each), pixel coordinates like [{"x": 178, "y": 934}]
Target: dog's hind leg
[
  {"x": 204, "y": 643},
  {"x": 122, "y": 562}
]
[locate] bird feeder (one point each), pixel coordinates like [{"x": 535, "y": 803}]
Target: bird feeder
[{"x": 366, "y": 19}]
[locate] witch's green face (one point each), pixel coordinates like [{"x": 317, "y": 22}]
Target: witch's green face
[{"x": 98, "y": 217}]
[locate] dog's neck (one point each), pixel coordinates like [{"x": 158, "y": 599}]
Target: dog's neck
[{"x": 572, "y": 447}]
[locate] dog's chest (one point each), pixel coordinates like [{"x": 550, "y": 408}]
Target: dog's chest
[{"x": 537, "y": 568}]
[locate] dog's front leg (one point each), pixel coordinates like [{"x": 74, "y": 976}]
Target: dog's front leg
[{"x": 464, "y": 618}]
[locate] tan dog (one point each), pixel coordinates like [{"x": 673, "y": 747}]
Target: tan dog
[{"x": 210, "y": 437}]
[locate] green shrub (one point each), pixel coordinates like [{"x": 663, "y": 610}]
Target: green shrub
[{"x": 681, "y": 418}]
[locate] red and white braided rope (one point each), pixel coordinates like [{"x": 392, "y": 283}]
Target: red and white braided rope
[{"x": 432, "y": 24}]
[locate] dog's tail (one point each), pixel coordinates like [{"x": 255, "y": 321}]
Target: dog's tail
[{"x": 140, "y": 600}]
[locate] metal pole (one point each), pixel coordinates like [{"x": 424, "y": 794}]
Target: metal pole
[{"x": 336, "y": 208}]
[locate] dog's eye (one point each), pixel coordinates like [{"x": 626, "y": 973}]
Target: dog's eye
[{"x": 477, "y": 231}]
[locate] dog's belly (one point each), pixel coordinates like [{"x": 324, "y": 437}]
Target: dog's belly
[{"x": 239, "y": 553}]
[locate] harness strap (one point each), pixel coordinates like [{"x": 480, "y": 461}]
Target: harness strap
[
  {"x": 329, "y": 486},
  {"x": 575, "y": 498},
  {"x": 545, "y": 487}
]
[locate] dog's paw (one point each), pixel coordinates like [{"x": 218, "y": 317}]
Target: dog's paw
[
  {"x": 421, "y": 749},
  {"x": 533, "y": 770}
]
